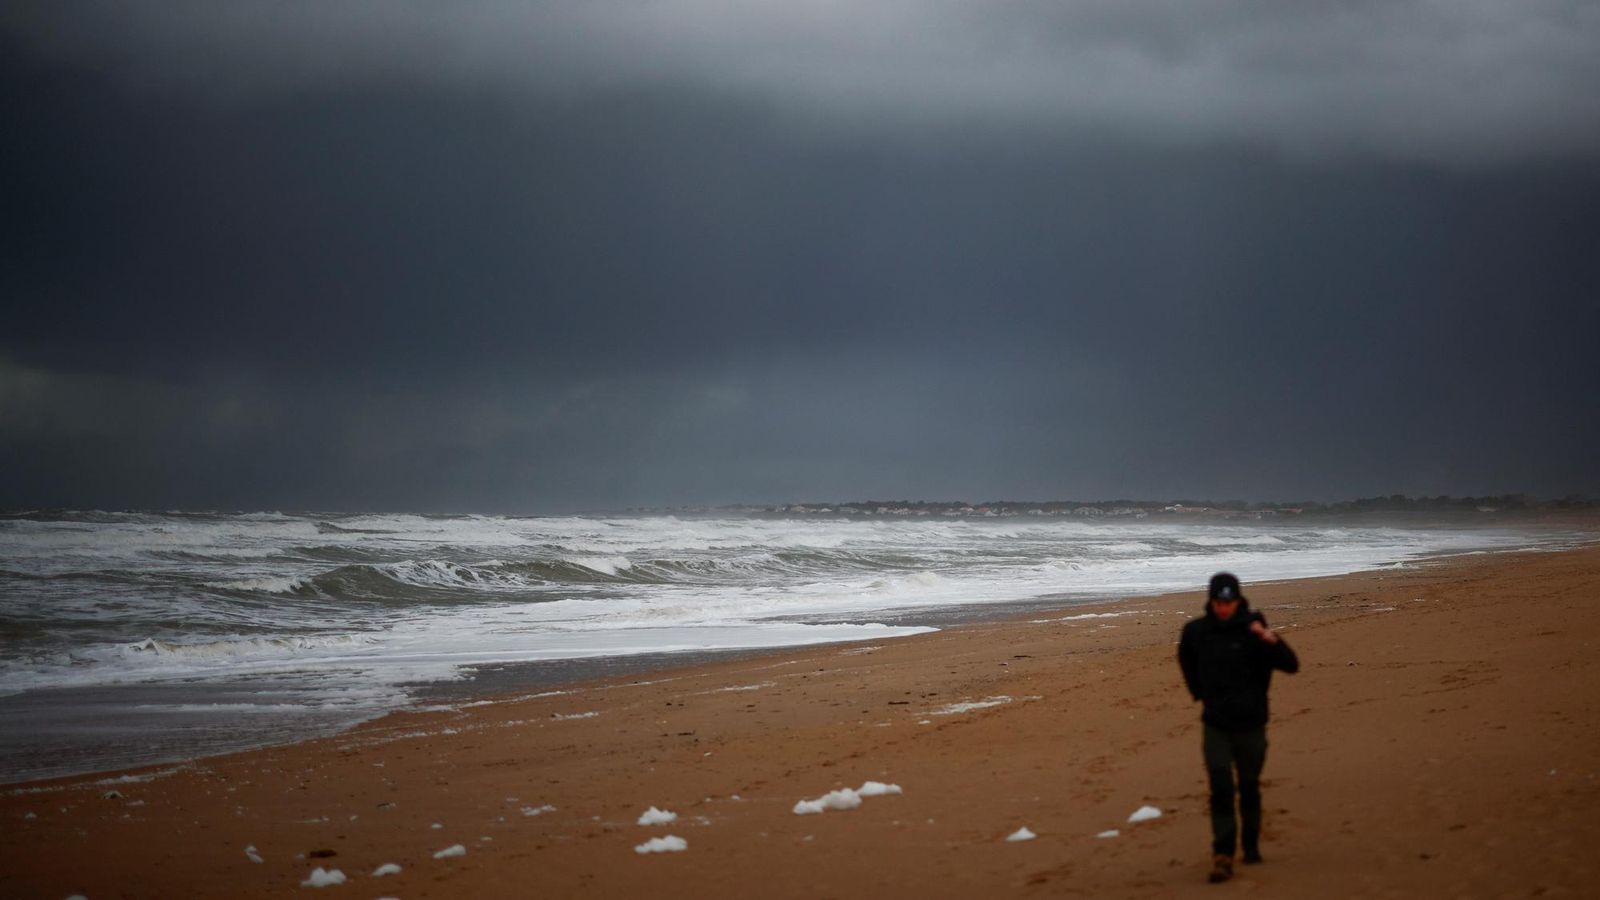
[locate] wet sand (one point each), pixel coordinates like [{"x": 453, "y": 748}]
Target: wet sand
[{"x": 1441, "y": 740}]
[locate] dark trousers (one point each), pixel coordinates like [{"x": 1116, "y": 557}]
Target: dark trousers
[{"x": 1225, "y": 752}]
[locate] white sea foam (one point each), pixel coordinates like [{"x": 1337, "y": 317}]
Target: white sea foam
[
  {"x": 736, "y": 688},
  {"x": 386, "y": 869},
  {"x": 1144, "y": 814},
  {"x": 143, "y": 777},
  {"x": 245, "y": 647},
  {"x": 1021, "y": 834},
  {"x": 1082, "y": 616},
  {"x": 451, "y": 851},
  {"x": 267, "y": 584},
  {"x": 845, "y": 798},
  {"x": 1234, "y": 540},
  {"x": 951, "y": 709},
  {"x": 605, "y": 565},
  {"x": 669, "y": 844},
  {"x": 653, "y": 816},
  {"x": 321, "y": 877}
]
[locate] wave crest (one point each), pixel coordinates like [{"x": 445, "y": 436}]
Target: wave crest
[{"x": 243, "y": 647}]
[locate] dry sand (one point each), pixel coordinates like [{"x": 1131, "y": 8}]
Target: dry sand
[{"x": 1440, "y": 741}]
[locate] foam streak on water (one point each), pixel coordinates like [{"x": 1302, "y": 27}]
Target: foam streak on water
[{"x": 334, "y": 614}]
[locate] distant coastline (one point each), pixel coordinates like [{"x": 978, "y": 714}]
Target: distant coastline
[
  {"x": 1454, "y": 510},
  {"x": 1400, "y": 509}
]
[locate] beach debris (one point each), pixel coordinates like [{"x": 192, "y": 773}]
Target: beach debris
[
  {"x": 653, "y": 816},
  {"x": 31, "y": 815},
  {"x": 251, "y": 854},
  {"x": 669, "y": 844},
  {"x": 321, "y": 877},
  {"x": 437, "y": 826},
  {"x": 386, "y": 869},
  {"x": 1108, "y": 833},
  {"x": 1144, "y": 814},
  {"x": 111, "y": 795},
  {"x": 537, "y": 810},
  {"x": 1021, "y": 834},
  {"x": 451, "y": 851},
  {"x": 845, "y": 798}
]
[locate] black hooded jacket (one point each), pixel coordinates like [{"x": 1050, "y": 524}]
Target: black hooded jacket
[{"x": 1228, "y": 669}]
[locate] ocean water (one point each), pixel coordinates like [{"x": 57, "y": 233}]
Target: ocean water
[{"x": 129, "y": 638}]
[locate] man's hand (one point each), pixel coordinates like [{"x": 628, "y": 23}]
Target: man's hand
[{"x": 1260, "y": 630}]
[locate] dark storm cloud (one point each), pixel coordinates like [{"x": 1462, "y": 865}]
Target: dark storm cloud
[
  {"x": 1459, "y": 82},
  {"x": 532, "y": 258}
]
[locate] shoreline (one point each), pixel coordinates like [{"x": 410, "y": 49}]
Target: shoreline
[
  {"x": 496, "y": 681},
  {"x": 1092, "y": 726},
  {"x": 191, "y": 734}
]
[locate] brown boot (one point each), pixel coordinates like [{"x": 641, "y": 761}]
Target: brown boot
[{"x": 1221, "y": 868}]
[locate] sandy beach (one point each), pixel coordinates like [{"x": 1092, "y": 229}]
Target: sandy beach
[{"x": 1440, "y": 741}]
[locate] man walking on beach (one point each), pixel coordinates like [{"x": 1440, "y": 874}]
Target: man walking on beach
[{"x": 1227, "y": 657}]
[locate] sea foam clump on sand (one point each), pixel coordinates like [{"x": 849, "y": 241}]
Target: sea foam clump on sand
[
  {"x": 952, "y": 709},
  {"x": 1021, "y": 834},
  {"x": 653, "y": 816},
  {"x": 845, "y": 798},
  {"x": 452, "y": 850},
  {"x": 1144, "y": 814},
  {"x": 321, "y": 877},
  {"x": 669, "y": 844},
  {"x": 386, "y": 869}
]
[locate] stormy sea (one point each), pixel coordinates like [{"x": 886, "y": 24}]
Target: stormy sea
[{"x": 135, "y": 638}]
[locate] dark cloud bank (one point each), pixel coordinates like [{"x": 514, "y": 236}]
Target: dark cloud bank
[{"x": 385, "y": 256}]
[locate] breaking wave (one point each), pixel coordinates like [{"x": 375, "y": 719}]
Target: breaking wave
[{"x": 243, "y": 647}]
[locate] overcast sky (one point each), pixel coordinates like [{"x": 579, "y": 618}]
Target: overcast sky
[{"x": 544, "y": 257}]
